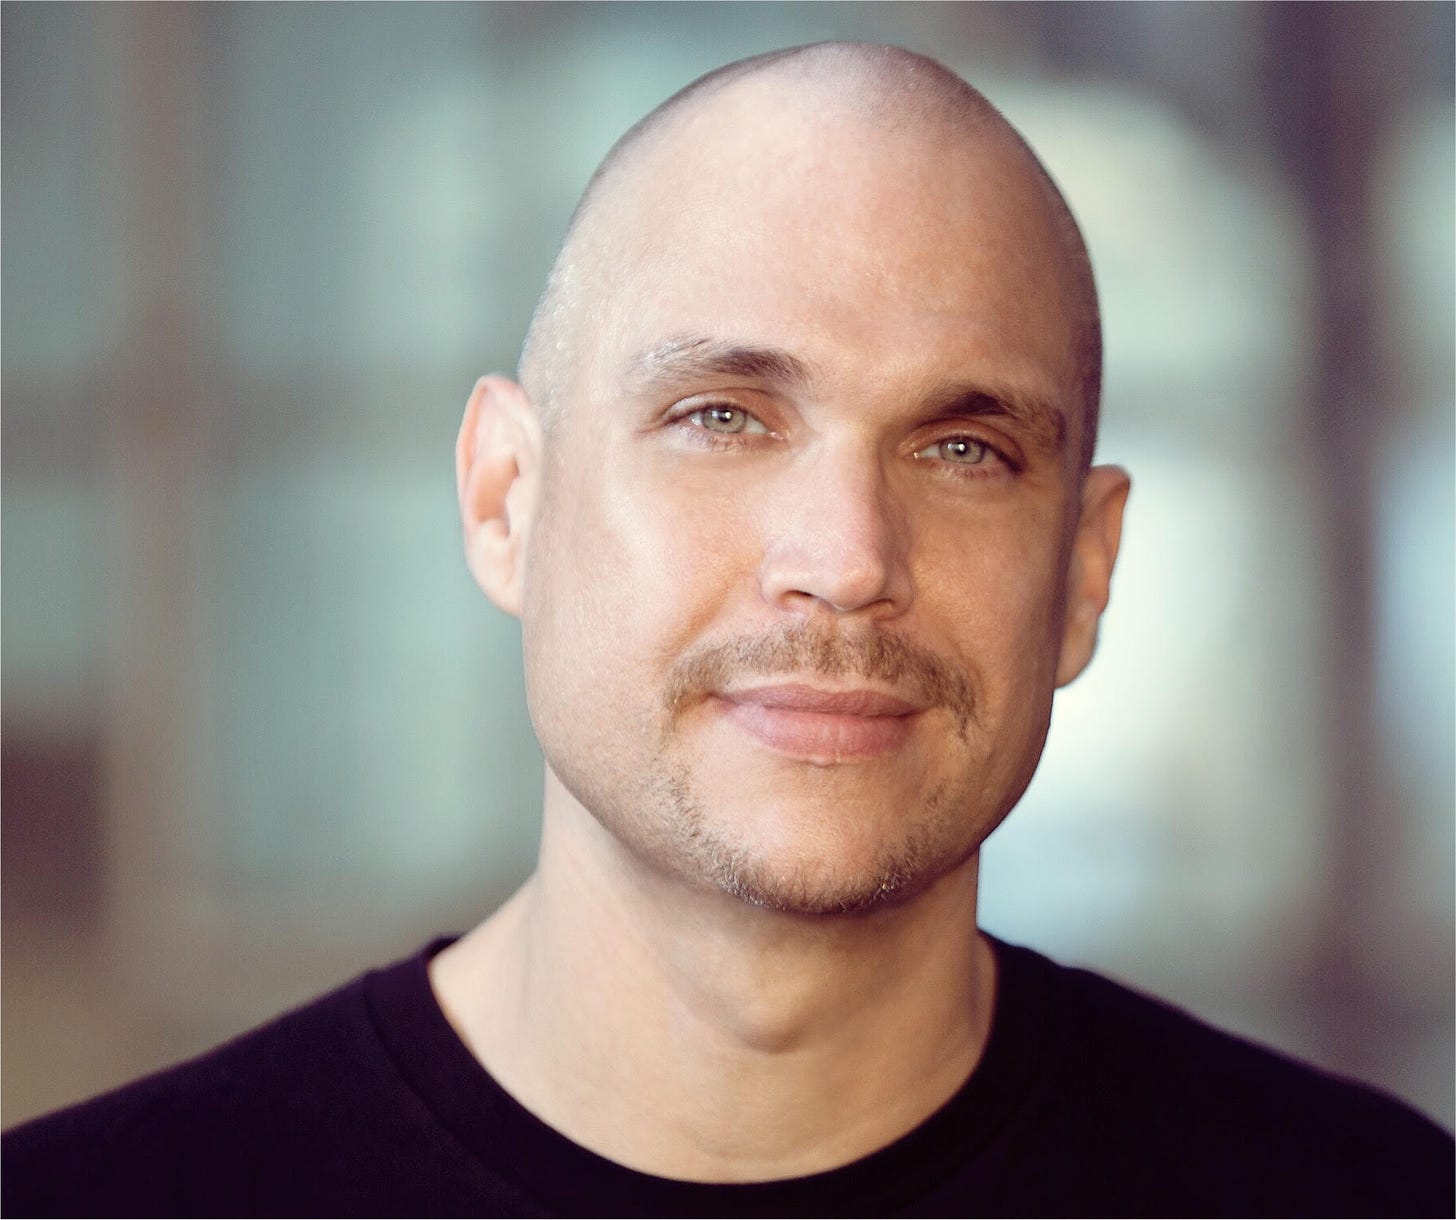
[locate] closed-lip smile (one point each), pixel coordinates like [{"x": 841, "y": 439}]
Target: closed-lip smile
[{"x": 819, "y": 725}]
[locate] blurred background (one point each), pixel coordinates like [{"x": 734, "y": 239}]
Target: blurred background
[{"x": 260, "y": 730}]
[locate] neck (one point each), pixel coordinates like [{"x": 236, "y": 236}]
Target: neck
[{"x": 680, "y": 1031}]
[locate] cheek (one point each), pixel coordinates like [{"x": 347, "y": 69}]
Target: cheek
[
  {"x": 627, "y": 571},
  {"x": 998, "y": 583}
]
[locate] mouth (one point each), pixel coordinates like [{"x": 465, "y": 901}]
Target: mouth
[{"x": 818, "y": 725}]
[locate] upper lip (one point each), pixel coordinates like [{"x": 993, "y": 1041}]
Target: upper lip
[{"x": 799, "y": 697}]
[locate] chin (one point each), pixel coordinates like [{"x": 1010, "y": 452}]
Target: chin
[
  {"x": 803, "y": 893},
  {"x": 796, "y": 865}
]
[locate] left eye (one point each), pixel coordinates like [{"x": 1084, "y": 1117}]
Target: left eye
[
  {"x": 962, "y": 450},
  {"x": 726, "y": 419}
]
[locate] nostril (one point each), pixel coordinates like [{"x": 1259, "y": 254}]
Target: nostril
[{"x": 806, "y": 581}]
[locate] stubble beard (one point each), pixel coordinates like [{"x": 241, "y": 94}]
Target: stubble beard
[
  {"x": 745, "y": 871},
  {"x": 695, "y": 845}
]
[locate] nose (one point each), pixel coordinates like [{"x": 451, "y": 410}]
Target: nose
[{"x": 833, "y": 538}]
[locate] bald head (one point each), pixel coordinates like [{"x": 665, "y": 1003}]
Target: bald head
[{"x": 888, "y": 97}]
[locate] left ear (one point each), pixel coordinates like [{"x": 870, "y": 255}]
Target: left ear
[{"x": 1089, "y": 571}]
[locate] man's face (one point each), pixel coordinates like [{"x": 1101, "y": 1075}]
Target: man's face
[{"x": 793, "y": 598}]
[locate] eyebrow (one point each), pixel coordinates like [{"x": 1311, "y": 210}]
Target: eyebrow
[
  {"x": 1045, "y": 423},
  {"x": 690, "y": 357},
  {"x": 695, "y": 356}
]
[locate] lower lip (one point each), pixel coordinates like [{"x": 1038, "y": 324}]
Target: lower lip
[{"x": 820, "y": 736}]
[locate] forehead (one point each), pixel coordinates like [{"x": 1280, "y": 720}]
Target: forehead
[{"x": 856, "y": 240}]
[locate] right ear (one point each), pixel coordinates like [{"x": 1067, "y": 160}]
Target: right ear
[{"x": 497, "y": 474}]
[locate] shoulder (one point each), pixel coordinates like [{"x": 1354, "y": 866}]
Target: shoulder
[
  {"x": 1162, "y": 1050},
  {"x": 1232, "y": 1120},
  {"x": 223, "y": 1126}
]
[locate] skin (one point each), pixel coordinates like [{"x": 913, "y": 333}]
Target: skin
[{"x": 838, "y": 459}]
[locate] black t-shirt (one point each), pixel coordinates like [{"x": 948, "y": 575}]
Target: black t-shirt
[{"x": 1088, "y": 1100}]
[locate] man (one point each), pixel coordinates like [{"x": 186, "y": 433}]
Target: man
[{"x": 795, "y": 503}]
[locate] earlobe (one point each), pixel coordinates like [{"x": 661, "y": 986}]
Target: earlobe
[
  {"x": 497, "y": 471},
  {"x": 1089, "y": 574}
]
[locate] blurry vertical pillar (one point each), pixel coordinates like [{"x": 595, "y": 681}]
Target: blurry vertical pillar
[
  {"x": 1330, "y": 95},
  {"x": 156, "y": 408}
]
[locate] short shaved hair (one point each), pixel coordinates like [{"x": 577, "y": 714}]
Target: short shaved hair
[{"x": 890, "y": 86}]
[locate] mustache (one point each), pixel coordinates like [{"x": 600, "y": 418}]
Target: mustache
[{"x": 799, "y": 648}]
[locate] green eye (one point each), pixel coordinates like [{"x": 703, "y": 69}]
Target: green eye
[
  {"x": 962, "y": 450},
  {"x": 723, "y": 419}
]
